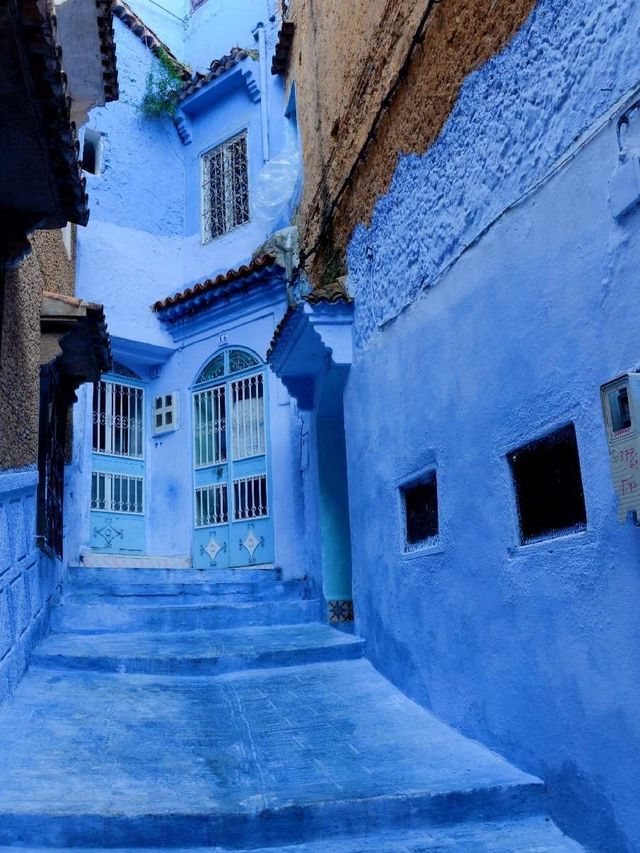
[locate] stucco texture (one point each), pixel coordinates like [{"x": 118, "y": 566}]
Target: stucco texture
[
  {"x": 344, "y": 59},
  {"x": 494, "y": 294},
  {"x": 47, "y": 267}
]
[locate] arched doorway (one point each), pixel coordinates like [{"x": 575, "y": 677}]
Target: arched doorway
[{"x": 232, "y": 514}]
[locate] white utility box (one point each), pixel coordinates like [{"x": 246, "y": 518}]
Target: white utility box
[{"x": 621, "y": 408}]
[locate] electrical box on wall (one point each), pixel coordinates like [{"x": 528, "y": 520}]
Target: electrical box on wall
[
  {"x": 166, "y": 413},
  {"x": 621, "y": 409}
]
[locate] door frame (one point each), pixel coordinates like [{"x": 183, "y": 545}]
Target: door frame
[
  {"x": 124, "y": 466},
  {"x": 260, "y": 367}
]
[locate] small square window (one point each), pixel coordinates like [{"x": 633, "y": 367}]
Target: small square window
[
  {"x": 548, "y": 484},
  {"x": 166, "y": 413},
  {"x": 420, "y": 501}
]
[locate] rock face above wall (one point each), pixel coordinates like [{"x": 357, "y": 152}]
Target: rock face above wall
[
  {"x": 344, "y": 59},
  {"x": 513, "y": 121}
]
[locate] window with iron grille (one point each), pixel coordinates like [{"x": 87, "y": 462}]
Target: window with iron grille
[{"x": 225, "y": 188}]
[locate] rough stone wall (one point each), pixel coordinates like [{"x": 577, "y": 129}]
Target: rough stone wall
[
  {"x": 48, "y": 267},
  {"x": 344, "y": 59}
]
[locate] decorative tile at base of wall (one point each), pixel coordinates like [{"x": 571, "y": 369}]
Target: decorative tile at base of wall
[{"x": 340, "y": 611}]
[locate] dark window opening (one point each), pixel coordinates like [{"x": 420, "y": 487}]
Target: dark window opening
[
  {"x": 421, "y": 510},
  {"x": 91, "y": 151},
  {"x": 619, "y": 409},
  {"x": 548, "y": 484}
]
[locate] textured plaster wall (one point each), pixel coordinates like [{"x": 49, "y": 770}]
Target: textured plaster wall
[
  {"x": 514, "y": 119},
  {"x": 532, "y": 650},
  {"x": 344, "y": 59},
  {"x": 48, "y": 267},
  {"x": 131, "y": 253}
]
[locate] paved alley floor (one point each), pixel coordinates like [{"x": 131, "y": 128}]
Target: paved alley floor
[{"x": 124, "y": 736}]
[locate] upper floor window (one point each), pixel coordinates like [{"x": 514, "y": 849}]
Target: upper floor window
[
  {"x": 225, "y": 188},
  {"x": 92, "y": 151}
]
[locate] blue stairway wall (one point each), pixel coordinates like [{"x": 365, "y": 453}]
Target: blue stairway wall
[{"x": 494, "y": 293}]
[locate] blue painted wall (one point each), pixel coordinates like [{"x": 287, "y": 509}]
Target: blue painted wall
[
  {"x": 29, "y": 580},
  {"x": 532, "y": 649}
]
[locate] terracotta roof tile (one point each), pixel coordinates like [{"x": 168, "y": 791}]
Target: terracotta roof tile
[
  {"x": 216, "y": 69},
  {"x": 107, "y": 49},
  {"x": 330, "y": 294},
  {"x": 50, "y": 93},
  {"x": 280, "y": 61},
  {"x": 211, "y": 285},
  {"x": 147, "y": 35}
]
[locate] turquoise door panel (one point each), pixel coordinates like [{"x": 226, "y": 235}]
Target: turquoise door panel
[
  {"x": 232, "y": 516},
  {"x": 118, "y": 500}
]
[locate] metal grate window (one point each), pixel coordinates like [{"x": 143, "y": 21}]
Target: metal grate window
[
  {"x": 247, "y": 417},
  {"x": 118, "y": 418},
  {"x": 250, "y": 498},
  {"x": 212, "y": 505},
  {"x": 225, "y": 188},
  {"x": 210, "y": 426},
  {"x": 117, "y": 493}
]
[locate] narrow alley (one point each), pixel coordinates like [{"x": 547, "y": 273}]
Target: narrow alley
[
  {"x": 320, "y": 426},
  {"x": 135, "y": 727}
]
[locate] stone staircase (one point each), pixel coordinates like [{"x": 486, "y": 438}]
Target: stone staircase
[{"x": 213, "y": 710}]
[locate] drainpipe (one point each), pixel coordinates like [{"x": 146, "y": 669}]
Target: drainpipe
[{"x": 261, "y": 37}]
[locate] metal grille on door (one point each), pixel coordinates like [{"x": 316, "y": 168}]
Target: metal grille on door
[
  {"x": 232, "y": 524},
  {"x": 117, "y": 479}
]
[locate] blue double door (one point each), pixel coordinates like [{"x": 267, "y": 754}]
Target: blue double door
[{"x": 232, "y": 514}]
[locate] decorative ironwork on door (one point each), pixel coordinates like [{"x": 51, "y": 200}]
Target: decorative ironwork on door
[
  {"x": 232, "y": 523},
  {"x": 117, "y": 480}
]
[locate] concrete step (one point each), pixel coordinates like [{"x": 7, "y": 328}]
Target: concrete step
[
  {"x": 198, "y": 653},
  {"x": 192, "y": 592},
  {"x": 79, "y": 575},
  {"x": 76, "y": 618},
  {"x": 264, "y": 758},
  {"x": 528, "y": 835}
]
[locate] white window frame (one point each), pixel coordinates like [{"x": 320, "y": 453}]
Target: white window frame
[
  {"x": 173, "y": 408},
  {"x": 206, "y": 234}
]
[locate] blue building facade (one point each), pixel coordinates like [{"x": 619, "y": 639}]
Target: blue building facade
[
  {"x": 492, "y": 295},
  {"x": 175, "y": 451}
]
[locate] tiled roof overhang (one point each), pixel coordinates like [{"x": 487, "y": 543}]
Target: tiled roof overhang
[
  {"x": 282, "y": 54},
  {"x": 200, "y": 297},
  {"x": 216, "y": 69},
  {"x": 147, "y": 35},
  {"x": 332, "y": 294},
  {"x": 201, "y": 90},
  {"x": 81, "y": 330},
  {"x": 312, "y": 337},
  {"x": 107, "y": 49},
  {"x": 41, "y": 183}
]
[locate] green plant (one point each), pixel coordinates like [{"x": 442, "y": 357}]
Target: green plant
[{"x": 163, "y": 86}]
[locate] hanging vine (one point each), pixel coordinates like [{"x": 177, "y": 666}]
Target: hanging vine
[{"x": 163, "y": 86}]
